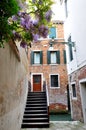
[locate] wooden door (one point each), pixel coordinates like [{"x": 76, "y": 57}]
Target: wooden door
[{"x": 36, "y": 83}]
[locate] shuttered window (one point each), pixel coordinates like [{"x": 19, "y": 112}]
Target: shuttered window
[
  {"x": 64, "y": 54},
  {"x": 52, "y": 33},
  {"x": 36, "y": 57},
  {"x": 53, "y": 57}
]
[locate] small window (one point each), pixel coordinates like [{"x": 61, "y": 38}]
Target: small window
[
  {"x": 73, "y": 91},
  {"x": 36, "y": 57},
  {"x": 53, "y": 57},
  {"x": 52, "y": 33},
  {"x": 54, "y": 81}
]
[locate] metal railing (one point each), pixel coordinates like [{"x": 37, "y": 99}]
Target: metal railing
[{"x": 45, "y": 89}]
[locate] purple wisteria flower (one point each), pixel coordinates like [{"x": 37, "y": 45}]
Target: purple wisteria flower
[
  {"x": 22, "y": 14},
  {"x": 14, "y": 17},
  {"x": 16, "y": 35},
  {"x": 35, "y": 22},
  {"x": 26, "y": 22},
  {"x": 48, "y": 15},
  {"x": 22, "y": 22},
  {"x": 23, "y": 44},
  {"x": 35, "y": 37},
  {"x": 43, "y": 31}
]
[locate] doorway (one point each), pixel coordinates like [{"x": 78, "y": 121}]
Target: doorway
[
  {"x": 83, "y": 99},
  {"x": 37, "y": 82}
]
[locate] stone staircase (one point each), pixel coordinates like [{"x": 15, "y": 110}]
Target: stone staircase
[{"x": 36, "y": 111}]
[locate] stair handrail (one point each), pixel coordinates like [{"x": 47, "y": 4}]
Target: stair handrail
[{"x": 45, "y": 88}]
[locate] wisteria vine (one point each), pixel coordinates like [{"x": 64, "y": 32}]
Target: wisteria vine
[{"x": 31, "y": 22}]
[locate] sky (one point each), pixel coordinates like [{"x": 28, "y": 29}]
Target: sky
[{"x": 58, "y": 11}]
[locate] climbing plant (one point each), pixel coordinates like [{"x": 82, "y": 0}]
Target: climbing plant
[{"x": 24, "y": 20}]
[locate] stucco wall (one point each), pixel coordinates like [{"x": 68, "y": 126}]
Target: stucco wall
[{"x": 13, "y": 87}]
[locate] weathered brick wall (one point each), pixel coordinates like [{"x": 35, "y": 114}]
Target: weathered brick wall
[
  {"x": 57, "y": 96},
  {"x": 76, "y": 76},
  {"x": 13, "y": 87}
]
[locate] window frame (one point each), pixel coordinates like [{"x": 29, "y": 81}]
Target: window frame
[
  {"x": 55, "y": 33},
  {"x": 57, "y": 57},
  {"x": 35, "y": 57},
  {"x": 51, "y": 57},
  {"x": 73, "y": 97},
  {"x": 52, "y": 87},
  {"x": 41, "y": 57}
]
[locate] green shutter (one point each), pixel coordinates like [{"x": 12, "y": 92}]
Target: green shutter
[
  {"x": 32, "y": 57},
  {"x": 58, "y": 57},
  {"x": 70, "y": 52},
  {"x": 48, "y": 57},
  {"x": 41, "y": 57},
  {"x": 64, "y": 52}
]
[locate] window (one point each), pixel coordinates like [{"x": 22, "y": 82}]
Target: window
[
  {"x": 53, "y": 57},
  {"x": 73, "y": 91},
  {"x": 54, "y": 81},
  {"x": 36, "y": 57},
  {"x": 52, "y": 33}
]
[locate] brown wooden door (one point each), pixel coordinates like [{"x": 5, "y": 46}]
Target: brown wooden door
[{"x": 36, "y": 83}]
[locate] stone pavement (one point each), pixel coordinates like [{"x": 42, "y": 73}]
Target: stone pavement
[{"x": 62, "y": 125}]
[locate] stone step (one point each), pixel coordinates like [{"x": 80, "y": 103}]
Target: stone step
[
  {"x": 35, "y": 104},
  {"x": 35, "y": 111},
  {"x": 36, "y": 115},
  {"x": 36, "y": 108},
  {"x": 37, "y": 98},
  {"x": 32, "y": 102},
  {"x": 25, "y": 120},
  {"x": 35, "y": 125}
]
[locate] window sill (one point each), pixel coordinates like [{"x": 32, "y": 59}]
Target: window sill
[
  {"x": 53, "y": 64},
  {"x": 74, "y": 98},
  {"x": 36, "y": 64},
  {"x": 54, "y": 87}
]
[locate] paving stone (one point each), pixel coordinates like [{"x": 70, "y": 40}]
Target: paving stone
[{"x": 63, "y": 125}]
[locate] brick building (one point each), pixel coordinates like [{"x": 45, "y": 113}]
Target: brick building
[{"x": 47, "y": 63}]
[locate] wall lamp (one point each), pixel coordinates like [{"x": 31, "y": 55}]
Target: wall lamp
[{"x": 51, "y": 43}]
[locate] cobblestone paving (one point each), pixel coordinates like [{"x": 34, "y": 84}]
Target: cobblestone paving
[{"x": 63, "y": 125}]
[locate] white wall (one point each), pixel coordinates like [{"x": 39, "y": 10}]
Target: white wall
[{"x": 75, "y": 25}]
